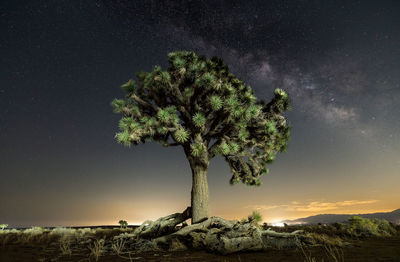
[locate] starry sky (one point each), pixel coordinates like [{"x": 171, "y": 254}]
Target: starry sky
[{"x": 62, "y": 62}]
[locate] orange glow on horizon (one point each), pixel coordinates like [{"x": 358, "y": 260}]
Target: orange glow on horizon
[{"x": 273, "y": 220}]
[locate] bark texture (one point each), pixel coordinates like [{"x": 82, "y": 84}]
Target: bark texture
[
  {"x": 163, "y": 225},
  {"x": 200, "y": 194}
]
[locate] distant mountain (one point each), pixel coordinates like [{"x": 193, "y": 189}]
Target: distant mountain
[{"x": 393, "y": 217}]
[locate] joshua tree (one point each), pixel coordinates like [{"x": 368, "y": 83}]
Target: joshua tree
[
  {"x": 123, "y": 223},
  {"x": 198, "y": 104}
]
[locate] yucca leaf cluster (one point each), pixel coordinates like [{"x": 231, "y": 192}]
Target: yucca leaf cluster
[{"x": 198, "y": 104}]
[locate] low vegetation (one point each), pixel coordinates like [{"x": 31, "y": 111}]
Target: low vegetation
[
  {"x": 355, "y": 227},
  {"x": 65, "y": 242},
  {"x": 97, "y": 248},
  {"x": 331, "y": 252},
  {"x": 93, "y": 243},
  {"x": 365, "y": 227}
]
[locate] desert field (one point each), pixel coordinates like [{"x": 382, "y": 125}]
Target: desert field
[{"x": 99, "y": 244}]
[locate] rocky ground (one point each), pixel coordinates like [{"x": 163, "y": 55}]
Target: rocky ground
[{"x": 214, "y": 239}]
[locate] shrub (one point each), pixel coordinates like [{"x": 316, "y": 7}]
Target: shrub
[
  {"x": 81, "y": 232},
  {"x": 118, "y": 245},
  {"x": 34, "y": 230},
  {"x": 65, "y": 246},
  {"x": 33, "y": 235},
  {"x": 384, "y": 227},
  {"x": 370, "y": 227},
  {"x": 255, "y": 216},
  {"x": 339, "y": 226},
  {"x": 62, "y": 231},
  {"x": 97, "y": 249}
]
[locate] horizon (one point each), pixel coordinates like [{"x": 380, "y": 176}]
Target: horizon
[
  {"x": 138, "y": 223},
  {"x": 63, "y": 62}
]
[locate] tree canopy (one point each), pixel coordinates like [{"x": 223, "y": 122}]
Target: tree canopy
[{"x": 198, "y": 104}]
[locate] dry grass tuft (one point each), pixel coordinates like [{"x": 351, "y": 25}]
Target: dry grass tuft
[
  {"x": 118, "y": 246},
  {"x": 322, "y": 239},
  {"x": 336, "y": 254},
  {"x": 65, "y": 245},
  {"x": 332, "y": 252},
  {"x": 307, "y": 255},
  {"x": 97, "y": 249}
]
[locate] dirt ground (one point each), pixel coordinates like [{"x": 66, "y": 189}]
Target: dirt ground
[{"x": 367, "y": 250}]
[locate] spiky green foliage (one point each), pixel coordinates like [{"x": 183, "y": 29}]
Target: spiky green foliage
[
  {"x": 216, "y": 102},
  {"x": 118, "y": 105},
  {"x": 197, "y": 149},
  {"x": 198, "y": 104},
  {"x": 255, "y": 216},
  {"x": 181, "y": 135},
  {"x": 224, "y": 149},
  {"x": 199, "y": 120}
]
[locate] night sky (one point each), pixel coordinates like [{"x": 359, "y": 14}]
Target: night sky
[{"x": 62, "y": 62}]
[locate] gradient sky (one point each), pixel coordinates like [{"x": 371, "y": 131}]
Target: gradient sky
[{"x": 62, "y": 62}]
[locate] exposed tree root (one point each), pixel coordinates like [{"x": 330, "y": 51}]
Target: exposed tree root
[
  {"x": 214, "y": 234},
  {"x": 162, "y": 226}
]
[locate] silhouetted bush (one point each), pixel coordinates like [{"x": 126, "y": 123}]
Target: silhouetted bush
[
  {"x": 370, "y": 227},
  {"x": 255, "y": 216}
]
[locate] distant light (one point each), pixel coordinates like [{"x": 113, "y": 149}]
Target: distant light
[{"x": 278, "y": 224}]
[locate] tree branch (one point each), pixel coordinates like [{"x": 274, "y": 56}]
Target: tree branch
[
  {"x": 144, "y": 103},
  {"x": 211, "y": 152}
]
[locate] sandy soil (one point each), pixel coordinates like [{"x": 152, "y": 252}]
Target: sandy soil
[{"x": 368, "y": 250}]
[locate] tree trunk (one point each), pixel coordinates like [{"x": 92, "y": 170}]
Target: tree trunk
[{"x": 200, "y": 194}]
